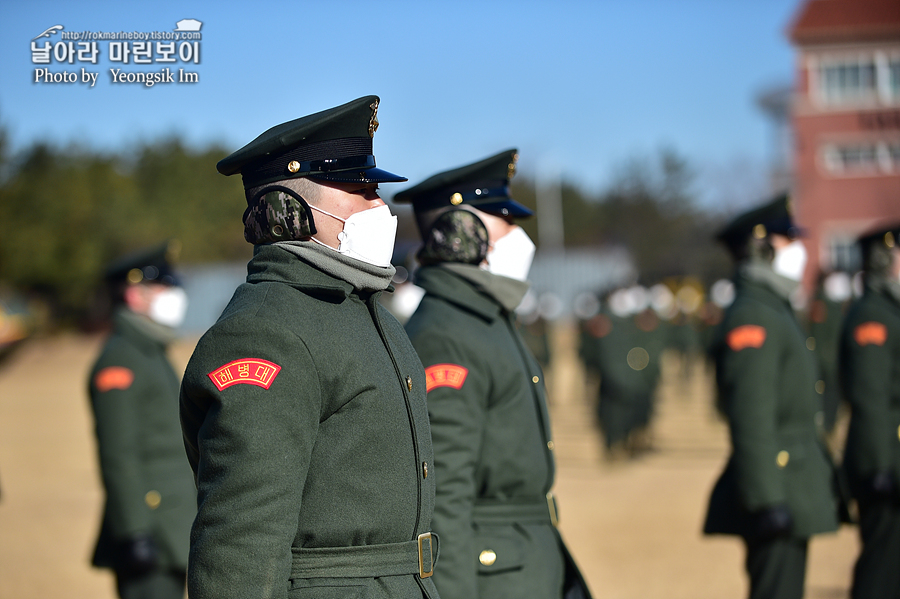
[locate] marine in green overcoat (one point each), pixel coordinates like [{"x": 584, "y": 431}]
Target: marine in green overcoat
[
  {"x": 825, "y": 316},
  {"x": 777, "y": 488},
  {"x": 870, "y": 368},
  {"x": 150, "y": 494},
  {"x": 493, "y": 446},
  {"x": 303, "y": 407}
]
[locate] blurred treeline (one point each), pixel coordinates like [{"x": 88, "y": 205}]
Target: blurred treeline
[
  {"x": 650, "y": 208},
  {"x": 67, "y": 211}
]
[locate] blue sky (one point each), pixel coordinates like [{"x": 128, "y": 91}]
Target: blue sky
[{"x": 578, "y": 86}]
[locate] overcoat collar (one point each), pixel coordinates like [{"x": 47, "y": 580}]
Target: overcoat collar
[
  {"x": 452, "y": 287},
  {"x": 271, "y": 263}
]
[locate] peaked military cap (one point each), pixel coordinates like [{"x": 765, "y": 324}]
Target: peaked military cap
[
  {"x": 772, "y": 217},
  {"x": 885, "y": 235},
  {"x": 335, "y": 145},
  {"x": 483, "y": 185},
  {"x": 149, "y": 265}
]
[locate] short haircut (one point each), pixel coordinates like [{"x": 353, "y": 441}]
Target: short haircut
[{"x": 308, "y": 190}]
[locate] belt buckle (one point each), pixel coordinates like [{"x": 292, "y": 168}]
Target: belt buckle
[
  {"x": 551, "y": 507},
  {"x": 425, "y": 536}
]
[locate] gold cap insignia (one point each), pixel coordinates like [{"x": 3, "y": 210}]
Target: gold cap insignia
[
  {"x": 456, "y": 199},
  {"x": 135, "y": 276},
  {"x": 511, "y": 167},
  {"x": 759, "y": 231},
  {"x": 889, "y": 239},
  {"x": 373, "y": 122},
  {"x": 294, "y": 166}
]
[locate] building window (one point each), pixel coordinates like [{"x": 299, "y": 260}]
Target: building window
[
  {"x": 864, "y": 158},
  {"x": 866, "y": 79},
  {"x": 844, "y": 255}
]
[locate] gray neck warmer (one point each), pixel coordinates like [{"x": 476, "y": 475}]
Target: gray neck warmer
[
  {"x": 362, "y": 275},
  {"x": 760, "y": 271},
  {"x": 508, "y": 292}
]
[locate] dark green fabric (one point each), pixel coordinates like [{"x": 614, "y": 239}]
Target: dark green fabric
[
  {"x": 140, "y": 446},
  {"x": 625, "y": 352},
  {"x": 332, "y": 454},
  {"x": 777, "y": 568},
  {"x": 491, "y": 441},
  {"x": 156, "y": 585},
  {"x": 768, "y": 395},
  {"x": 870, "y": 370},
  {"x": 875, "y": 574},
  {"x": 871, "y": 378},
  {"x": 825, "y": 319}
]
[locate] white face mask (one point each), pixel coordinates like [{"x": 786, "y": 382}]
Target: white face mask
[
  {"x": 511, "y": 255},
  {"x": 368, "y": 235},
  {"x": 838, "y": 287},
  {"x": 168, "y": 307},
  {"x": 790, "y": 260}
]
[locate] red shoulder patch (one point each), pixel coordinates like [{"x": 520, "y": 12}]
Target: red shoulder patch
[
  {"x": 870, "y": 333},
  {"x": 744, "y": 336},
  {"x": 246, "y": 371},
  {"x": 113, "y": 377},
  {"x": 445, "y": 375}
]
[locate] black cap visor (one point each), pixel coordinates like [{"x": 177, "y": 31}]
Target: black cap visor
[
  {"x": 369, "y": 175},
  {"x": 503, "y": 207}
]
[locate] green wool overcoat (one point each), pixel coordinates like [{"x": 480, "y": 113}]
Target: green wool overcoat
[
  {"x": 304, "y": 419},
  {"x": 870, "y": 366},
  {"x": 149, "y": 488},
  {"x": 766, "y": 377},
  {"x": 492, "y": 441}
]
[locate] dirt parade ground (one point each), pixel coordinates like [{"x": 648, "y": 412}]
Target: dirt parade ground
[{"x": 634, "y": 526}]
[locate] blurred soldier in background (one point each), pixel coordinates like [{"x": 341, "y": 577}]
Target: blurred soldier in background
[
  {"x": 486, "y": 398},
  {"x": 303, "y": 406},
  {"x": 150, "y": 493},
  {"x": 870, "y": 369},
  {"x": 623, "y": 346},
  {"x": 777, "y": 488},
  {"x": 826, "y": 313}
]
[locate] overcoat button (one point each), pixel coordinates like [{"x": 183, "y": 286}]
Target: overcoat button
[
  {"x": 535, "y": 379},
  {"x": 409, "y": 383},
  {"x": 782, "y": 458},
  {"x": 487, "y": 557},
  {"x": 424, "y": 469},
  {"x": 153, "y": 499}
]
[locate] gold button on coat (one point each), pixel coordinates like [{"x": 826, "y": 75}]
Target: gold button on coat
[
  {"x": 535, "y": 379},
  {"x": 409, "y": 383},
  {"x": 820, "y": 387},
  {"x": 487, "y": 557},
  {"x": 424, "y": 469},
  {"x": 550, "y": 445},
  {"x": 782, "y": 458},
  {"x": 811, "y": 343},
  {"x": 153, "y": 499}
]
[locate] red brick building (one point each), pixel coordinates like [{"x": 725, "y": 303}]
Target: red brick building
[{"x": 846, "y": 124}]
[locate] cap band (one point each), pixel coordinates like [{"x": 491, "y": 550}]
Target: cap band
[{"x": 325, "y": 156}]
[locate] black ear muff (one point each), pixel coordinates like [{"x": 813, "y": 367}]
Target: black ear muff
[
  {"x": 277, "y": 213},
  {"x": 455, "y": 236}
]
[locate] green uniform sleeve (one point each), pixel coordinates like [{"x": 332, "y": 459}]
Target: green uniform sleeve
[
  {"x": 250, "y": 448},
  {"x": 457, "y": 419},
  {"x": 117, "y": 422},
  {"x": 748, "y": 377},
  {"x": 868, "y": 362}
]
